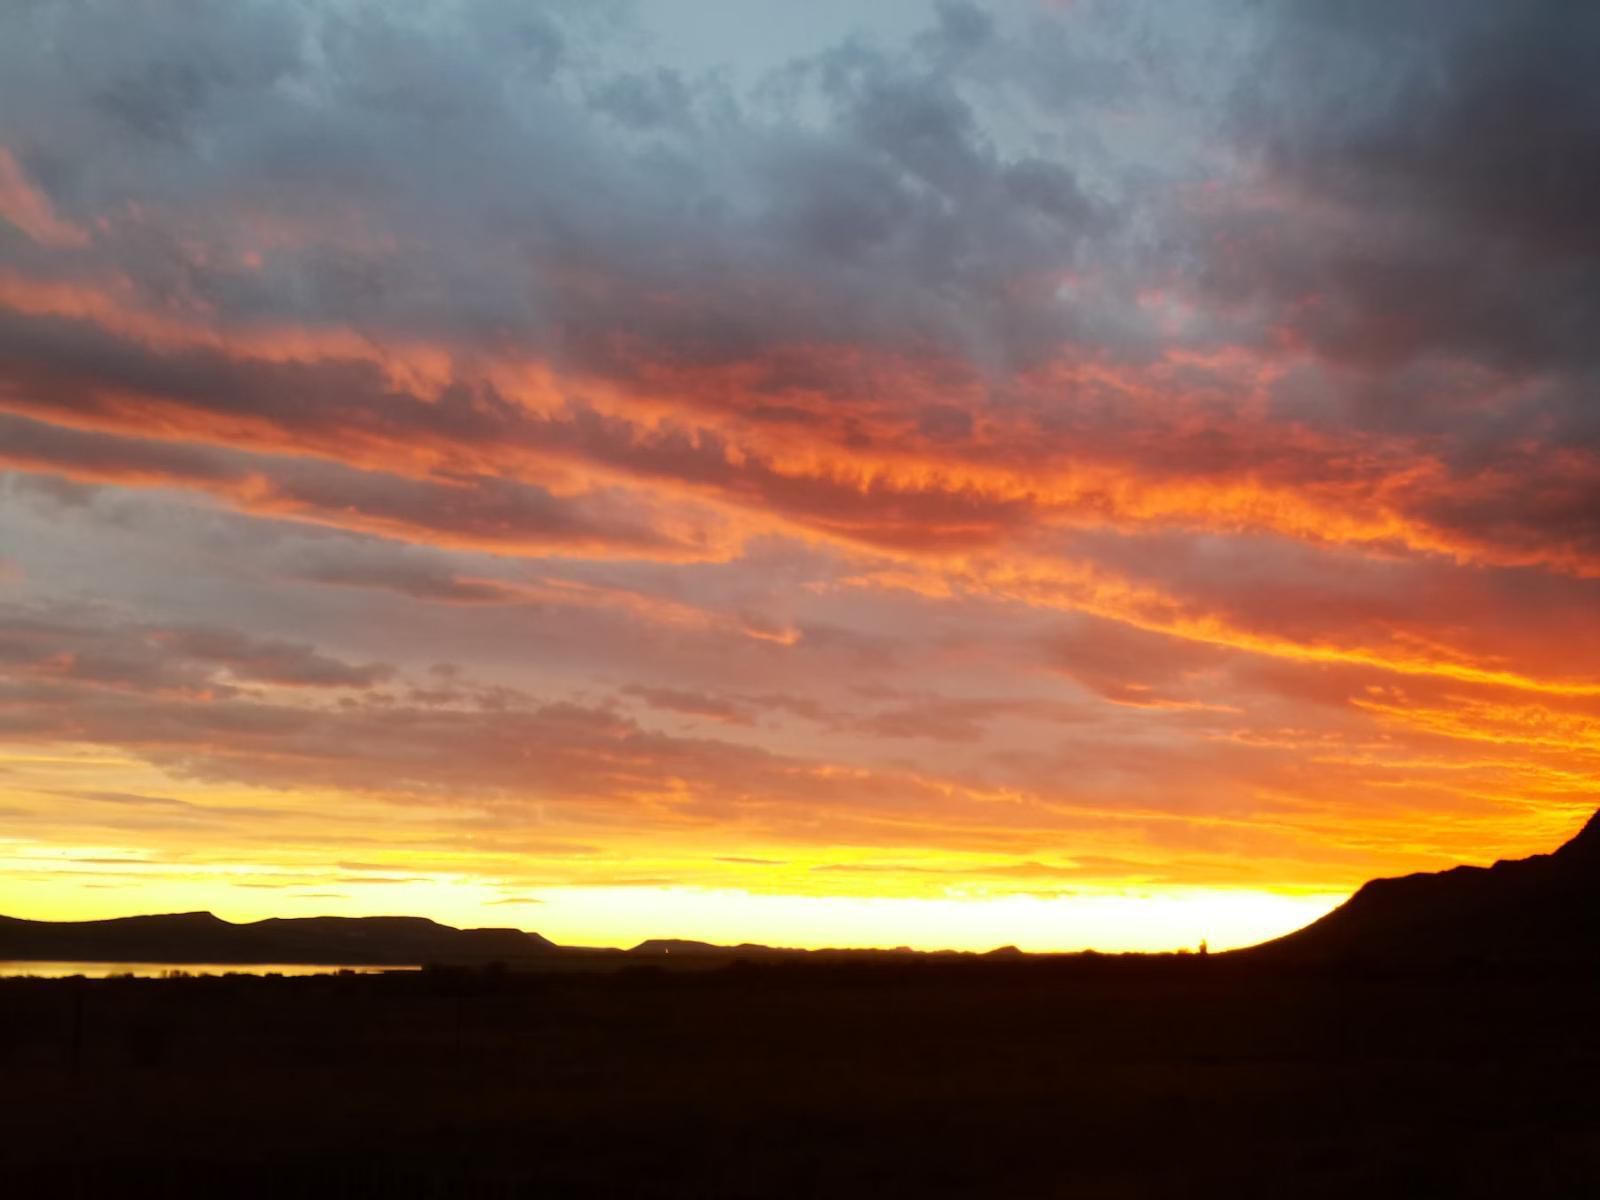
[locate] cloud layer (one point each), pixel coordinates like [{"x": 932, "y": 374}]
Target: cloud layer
[{"x": 1003, "y": 447}]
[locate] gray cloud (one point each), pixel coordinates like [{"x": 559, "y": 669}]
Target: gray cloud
[
  {"x": 40, "y": 650},
  {"x": 393, "y": 171},
  {"x": 1442, "y": 156}
]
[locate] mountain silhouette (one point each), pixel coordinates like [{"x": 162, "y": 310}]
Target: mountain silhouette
[
  {"x": 1537, "y": 911},
  {"x": 202, "y": 937}
]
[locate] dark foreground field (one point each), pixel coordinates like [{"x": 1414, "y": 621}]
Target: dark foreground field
[{"x": 1117, "y": 1078}]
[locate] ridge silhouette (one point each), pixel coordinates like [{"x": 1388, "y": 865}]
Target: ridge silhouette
[
  {"x": 203, "y": 937},
  {"x": 1543, "y": 910}
]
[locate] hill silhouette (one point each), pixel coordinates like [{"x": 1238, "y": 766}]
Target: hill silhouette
[
  {"x": 1530, "y": 912},
  {"x": 202, "y": 937}
]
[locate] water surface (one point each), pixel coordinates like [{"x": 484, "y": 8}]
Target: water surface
[{"x": 153, "y": 970}]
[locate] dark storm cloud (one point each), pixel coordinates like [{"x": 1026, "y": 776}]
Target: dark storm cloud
[
  {"x": 1457, "y": 145},
  {"x": 384, "y": 179},
  {"x": 1415, "y": 213},
  {"x": 393, "y": 170}
]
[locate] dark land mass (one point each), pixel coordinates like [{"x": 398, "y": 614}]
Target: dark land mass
[
  {"x": 203, "y": 938},
  {"x": 1542, "y": 911},
  {"x": 189, "y": 938},
  {"x": 1105, "y": 1077},
  {"x": 1384, "y": 1051}
]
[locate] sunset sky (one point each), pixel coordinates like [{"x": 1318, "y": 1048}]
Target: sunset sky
[{"x": 1091, "y": 473}]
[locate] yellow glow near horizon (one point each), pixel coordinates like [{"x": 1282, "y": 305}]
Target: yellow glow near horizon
[{"x": 1110, "y": 919}]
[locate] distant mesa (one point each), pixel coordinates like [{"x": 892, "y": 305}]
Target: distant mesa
[
  {"x": 1543, "y": 910},
  {"x": 681, "y": 947},
  {"x": 204, "y": 938}
]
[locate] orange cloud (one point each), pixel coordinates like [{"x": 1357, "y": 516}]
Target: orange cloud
[
  {"x": 847, "y": 466},
  {"x": 30, "y": 210}
]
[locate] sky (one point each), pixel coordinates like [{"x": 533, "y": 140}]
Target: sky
[{"x": 1098, "y": 473}]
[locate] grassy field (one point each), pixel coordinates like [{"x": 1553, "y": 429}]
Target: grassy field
[{"x": 1118, "y": 1078}]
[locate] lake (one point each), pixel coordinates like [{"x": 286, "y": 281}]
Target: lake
[{"x": 150, "y": 970}]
